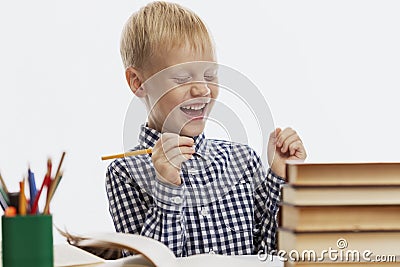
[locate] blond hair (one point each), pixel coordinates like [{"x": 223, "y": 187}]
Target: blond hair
[{"x": 158, "y": 27}]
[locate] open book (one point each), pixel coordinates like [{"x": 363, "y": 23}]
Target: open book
[{"x": 151, "y": 252}]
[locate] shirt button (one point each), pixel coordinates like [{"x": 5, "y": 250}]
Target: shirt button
[
  {"x": 176, "y": 200},
  {"x": 204, "y": 212}
]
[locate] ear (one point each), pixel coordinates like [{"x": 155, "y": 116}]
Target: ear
[{"x": 135, "y": 81}]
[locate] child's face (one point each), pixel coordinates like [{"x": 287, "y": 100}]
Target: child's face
[{"x": 181, "y": 95}]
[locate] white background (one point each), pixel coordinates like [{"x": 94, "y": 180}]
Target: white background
[{"x": 329, "y": 69}]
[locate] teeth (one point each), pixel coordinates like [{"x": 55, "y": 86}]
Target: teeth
[{"x": 195, "y": 107}]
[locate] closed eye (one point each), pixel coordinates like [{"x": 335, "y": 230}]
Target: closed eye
[
  {"x": 209, "y": 78},
  {"x": 180, "y": 80},
  {"x": 210, "y": 74}
]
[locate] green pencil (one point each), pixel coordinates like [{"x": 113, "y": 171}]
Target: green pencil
[{"x": 3, "y": 184}]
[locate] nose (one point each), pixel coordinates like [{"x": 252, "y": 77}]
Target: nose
[{"x": 199, "y": 90}]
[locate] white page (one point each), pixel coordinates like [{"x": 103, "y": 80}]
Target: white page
[
  {"x": 68, "y": 255},
  {"x": 231, "y": 261}
]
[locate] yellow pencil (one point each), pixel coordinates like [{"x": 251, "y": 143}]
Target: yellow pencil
[{"x": 128, "y": 154}]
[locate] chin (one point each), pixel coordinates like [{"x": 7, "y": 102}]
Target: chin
[{"x": 193, "y": 128}]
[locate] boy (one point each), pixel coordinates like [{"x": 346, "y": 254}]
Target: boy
[{"x": 215, "y": 208}]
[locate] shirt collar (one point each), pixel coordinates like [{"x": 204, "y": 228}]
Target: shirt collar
[
  {"x": 148, "y": 138},
  {"x": 200, "y": 142}
]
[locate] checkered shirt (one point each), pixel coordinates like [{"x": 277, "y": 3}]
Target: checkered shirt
[{"x": 227, "y": 202}]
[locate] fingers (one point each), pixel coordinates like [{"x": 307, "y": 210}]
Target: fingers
[
  {"x": 174, "y": 148},
  {"x": 294, "y": 146},
  {"x": 177, "y": 161},
  {"x": 283, "y": 135},
  {"x": 273, "y": 136},
  {"x": 177, "y": 155},
  {"x": 277, "y": 131},
  {"x": 170, "y": 141},
  {"x": 288, "y": 141},
  {"x": 169, "y": 152},
  {"x": 297, "y": 149}
]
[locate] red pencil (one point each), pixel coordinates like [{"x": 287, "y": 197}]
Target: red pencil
[{"x": 46, "y": 182}]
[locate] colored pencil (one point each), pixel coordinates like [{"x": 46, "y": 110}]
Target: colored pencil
[
  {"x": 32, "y": 187},
  {"x": 22, "y": 198},
  {"x": 52, "y": 190},
  {"x": 3, "y": 184},
  {"x": 129, "y": 154},
  {"x": 53, "y": 185},
  {"x": 46, "y": 182}
]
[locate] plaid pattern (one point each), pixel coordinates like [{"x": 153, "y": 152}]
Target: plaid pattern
[{"x": 227, "y": 203}]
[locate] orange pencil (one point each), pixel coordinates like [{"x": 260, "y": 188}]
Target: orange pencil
[
  {"x": 22, "y": 198},
  {"x": 129, "y": 154}
]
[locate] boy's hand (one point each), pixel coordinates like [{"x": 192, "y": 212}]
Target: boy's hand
[
  {"x": 169, "y": 152},
  {"x": 284, "y": 145}
]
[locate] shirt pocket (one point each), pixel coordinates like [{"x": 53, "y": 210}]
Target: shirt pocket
[{"x": 236, "y": 208}]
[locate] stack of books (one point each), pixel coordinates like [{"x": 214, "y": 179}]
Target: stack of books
[{"x": 340, "y": 214}]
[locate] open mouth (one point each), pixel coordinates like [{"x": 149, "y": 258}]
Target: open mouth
[{"x": 194, "y": 110}]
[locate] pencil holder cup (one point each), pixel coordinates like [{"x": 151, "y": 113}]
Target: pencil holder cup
[{"x": 27, "y": 241}]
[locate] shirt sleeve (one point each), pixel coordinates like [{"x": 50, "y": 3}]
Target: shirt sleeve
[
  {"x": 266, "y": 201},
  {"x": 134, "y": 211}
]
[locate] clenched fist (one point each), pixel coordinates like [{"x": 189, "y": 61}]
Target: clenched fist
[
  {"x": 284, "y": 145},
  {"x": 169, "y": 152}
]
